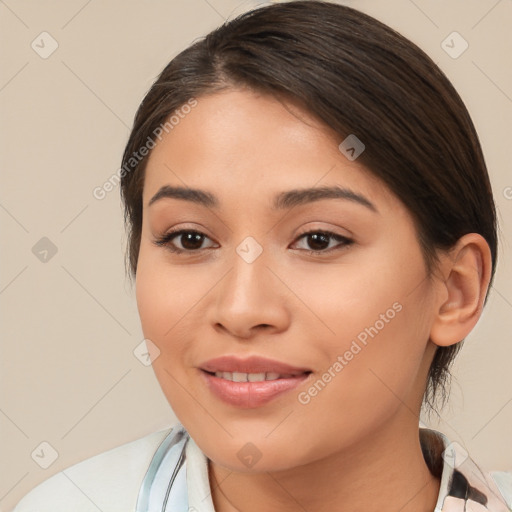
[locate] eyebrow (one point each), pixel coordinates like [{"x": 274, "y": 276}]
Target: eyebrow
[{"x": 282, "y": 201}]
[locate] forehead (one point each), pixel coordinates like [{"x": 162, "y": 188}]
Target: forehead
[{"x": 244, "y": 144}]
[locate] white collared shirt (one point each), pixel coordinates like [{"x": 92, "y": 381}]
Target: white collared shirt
[{"x": 166, "y": 471}]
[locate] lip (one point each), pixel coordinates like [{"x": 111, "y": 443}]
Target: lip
[
  {"x": 252, "y": 364},
  {"x": 249, "y": 395}
]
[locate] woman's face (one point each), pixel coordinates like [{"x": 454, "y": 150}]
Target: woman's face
[{"x": 356, "y": 314}]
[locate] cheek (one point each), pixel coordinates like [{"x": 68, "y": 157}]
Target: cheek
[
  {"x": 166, "y": 295},
  {"x": 160, "y": 310},
  {"x": 342, "y": 301},
  {"x": 163, "y": 303},
  {"x": 363, "y": 383},
  {"x": 373, "y": 321}
]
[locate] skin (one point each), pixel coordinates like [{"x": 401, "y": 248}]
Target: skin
[{"x": 355, "y": 445}]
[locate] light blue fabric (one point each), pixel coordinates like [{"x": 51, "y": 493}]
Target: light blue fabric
[{"x": 161, "y": 491}]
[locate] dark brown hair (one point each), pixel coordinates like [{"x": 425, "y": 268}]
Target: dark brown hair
[{"x": 357, "y": 76}]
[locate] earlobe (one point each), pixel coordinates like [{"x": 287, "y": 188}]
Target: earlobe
[{"x": 467, "y": 271}]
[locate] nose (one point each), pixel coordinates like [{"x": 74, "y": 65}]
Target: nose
[{"x": 250, "y": 298}]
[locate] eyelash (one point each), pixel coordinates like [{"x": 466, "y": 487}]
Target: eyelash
[{"x": 164, "y": 241}]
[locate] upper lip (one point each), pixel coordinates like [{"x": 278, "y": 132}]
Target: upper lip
[{"x": 252, "y": 364}]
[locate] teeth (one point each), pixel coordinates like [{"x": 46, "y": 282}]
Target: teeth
[
  {"x": 238, "y": 377},
  {"x": 249, "y": 377}
]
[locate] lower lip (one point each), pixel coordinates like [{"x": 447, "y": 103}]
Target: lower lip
[{"x": 249, "y": 395}]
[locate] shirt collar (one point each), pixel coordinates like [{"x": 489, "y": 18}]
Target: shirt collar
[
  {"x": 464, "y": 486},
  {"x": 177, "y": 479}
]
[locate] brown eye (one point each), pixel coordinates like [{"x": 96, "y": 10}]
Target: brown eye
[
  {"x": 189, "y": 240},
  {"x": 318, "y": 241}
]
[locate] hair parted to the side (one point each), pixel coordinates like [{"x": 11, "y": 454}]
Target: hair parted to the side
[{"x": 358, "y": 76}]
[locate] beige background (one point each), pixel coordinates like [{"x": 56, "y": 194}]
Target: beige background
[{"x": 70, "y": 325}]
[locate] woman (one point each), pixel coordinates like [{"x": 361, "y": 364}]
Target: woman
[{"x": 313, "y": 234}]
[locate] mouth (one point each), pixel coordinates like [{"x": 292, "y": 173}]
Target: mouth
[
  {"x": 255, "y": 377},
  {"x": 252, "y": 381},
  {"x": 251, "y": 390}
]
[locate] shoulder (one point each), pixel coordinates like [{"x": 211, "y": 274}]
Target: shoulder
[
  {"x": 109, "y": 481},
  {"x": 503, "y": 480}
]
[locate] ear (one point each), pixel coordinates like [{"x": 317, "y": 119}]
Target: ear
[{"x": 467, "y": 270}]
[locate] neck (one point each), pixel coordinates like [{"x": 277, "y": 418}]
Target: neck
[{"x": 384, "y": 471}]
